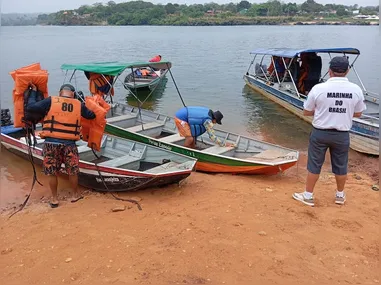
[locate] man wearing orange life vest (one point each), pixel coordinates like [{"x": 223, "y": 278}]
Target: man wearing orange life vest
[{"x": 61, "y": 129}]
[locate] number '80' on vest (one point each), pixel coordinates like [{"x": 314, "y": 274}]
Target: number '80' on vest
[{"x": 63, "y": 120}]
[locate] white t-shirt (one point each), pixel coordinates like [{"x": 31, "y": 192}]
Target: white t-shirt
[{"x": 334, "y": 102}]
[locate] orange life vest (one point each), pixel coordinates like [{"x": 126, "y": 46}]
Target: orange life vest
[
  {"x": 145, "y": 72},
  {"x": 100, "y": 84},
  {"x": 303, "y": 76},
  {"x": 23, "y": 77},
  {"x": 155, "y": 59},
  {"x": 63, "y": 120},
  {"x": 93, "y": 130}
]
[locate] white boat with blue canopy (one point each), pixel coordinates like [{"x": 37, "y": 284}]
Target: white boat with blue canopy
[{"x": 284, "y": 83}]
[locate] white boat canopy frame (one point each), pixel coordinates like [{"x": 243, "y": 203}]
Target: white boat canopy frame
[{"x": 294, "y": 53}]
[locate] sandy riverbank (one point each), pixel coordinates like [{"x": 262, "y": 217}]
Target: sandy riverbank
[{"x": 214, "y": 229}]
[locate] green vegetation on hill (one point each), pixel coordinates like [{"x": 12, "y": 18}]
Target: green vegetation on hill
[{"x": 243, "y": 13}]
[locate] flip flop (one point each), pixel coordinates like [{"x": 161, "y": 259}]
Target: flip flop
[
  {"x": 53, "y": 205},
  {"x": 77, "y": 199}
]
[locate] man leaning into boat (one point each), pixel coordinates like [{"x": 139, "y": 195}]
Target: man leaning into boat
[
  {"x": 333, "y": 104},
  {"x": 61, "y": 129},
  {"x": 193, "y": 121}
]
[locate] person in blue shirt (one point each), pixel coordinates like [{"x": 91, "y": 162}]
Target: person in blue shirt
[
  {"x": 61, "y": 129},
  {"x": 193, "y": 121}
]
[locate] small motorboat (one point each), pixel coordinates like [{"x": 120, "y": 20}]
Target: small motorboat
[{"x": 120, "y": 165}]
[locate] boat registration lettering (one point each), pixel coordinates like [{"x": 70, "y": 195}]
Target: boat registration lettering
[
  {"x": 159, "y": 144},
  {"x": 107, "y": 179}
]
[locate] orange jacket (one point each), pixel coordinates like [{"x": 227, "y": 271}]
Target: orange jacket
[
  {"x": 63, "y": 120},
  {"x": 23, "y": 77},
  {"x": 155, "y": 59},
  {"x": 100, "y": 85},
  {"x": 93, "y": 130}
]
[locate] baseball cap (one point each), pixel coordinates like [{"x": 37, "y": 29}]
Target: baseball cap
[
  {"x": 67, "y": 90},
  {"x": 218, "y": 117},
  {"x": 67, "y": 87},
  {"x": 339, "y": 64}
]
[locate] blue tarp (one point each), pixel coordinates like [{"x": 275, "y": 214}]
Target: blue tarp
[
  {"x": 290, "y": 52},
  {"x": 9, "y": 129}
]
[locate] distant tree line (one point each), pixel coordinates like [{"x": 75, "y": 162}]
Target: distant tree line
[
  {"x": 244, "y": 12},
  {"x": 15, "y": 19}
]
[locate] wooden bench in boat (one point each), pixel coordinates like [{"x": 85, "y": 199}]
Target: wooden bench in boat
[
  {"x": 119, "y": 161},
  {"x": 218, "y": 149},
  {"x": 146, "y": 127},
  {"x": 120, "y": 118},
  {"x": 172, "y": 138}
]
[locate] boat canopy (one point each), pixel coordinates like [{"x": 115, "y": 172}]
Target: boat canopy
[
  {"x": 290, "y": 52},
  {"x": 114, "y": 68}
]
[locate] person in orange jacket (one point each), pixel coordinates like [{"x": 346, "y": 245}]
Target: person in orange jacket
[{"x": 61, "y": 129}]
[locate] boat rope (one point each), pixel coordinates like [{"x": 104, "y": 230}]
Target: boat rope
[
  {"x": 29, "y": 128},
  {"x": 104, "y": 183}
]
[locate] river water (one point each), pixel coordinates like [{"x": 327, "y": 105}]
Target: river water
[{"x": 208, "y": 66}]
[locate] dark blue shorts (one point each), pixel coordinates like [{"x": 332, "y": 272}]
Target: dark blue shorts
[{"x": 338, "y": 144}]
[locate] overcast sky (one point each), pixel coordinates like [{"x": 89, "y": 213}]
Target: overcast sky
[{"x": 36, "y": 6}]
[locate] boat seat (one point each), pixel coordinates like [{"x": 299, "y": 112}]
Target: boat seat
[
  {"x": 39, "y": 140},
  {"x": 218, "y": 149},
  {"x": 147, "y": 126},
  {"x": 83, "y": 148},
  {"x": 172, "y": 138},
  {"x": 119, "y": 161},
  {"x": 120, "y": 118},
  {"x": 163, "y": 167}
]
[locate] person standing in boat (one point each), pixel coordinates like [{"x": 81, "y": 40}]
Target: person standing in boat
[
  {"x": 333, "y": 104},
  {"x": 193, "y": 121},
  {"x": 61, "y": 129}
]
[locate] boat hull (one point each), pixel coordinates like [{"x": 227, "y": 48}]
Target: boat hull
[
  {"x": 205, "y": 162},
  {"x": 146, "y": 84},
  {"x": 114, "y": 180},
  {"x": 364, "y": 137}
]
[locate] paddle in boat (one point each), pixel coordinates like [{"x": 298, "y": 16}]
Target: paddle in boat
[
  {"x": 288, "y": 86},
  {"x": 249, "y": 156}
]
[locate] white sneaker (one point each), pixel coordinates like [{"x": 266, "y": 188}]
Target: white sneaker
[
  {"x": 340, "y": 200},
  {"x": 300, "y": 197}
]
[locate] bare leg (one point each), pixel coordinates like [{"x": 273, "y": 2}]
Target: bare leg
[
  {"x": 53, "y": 184},
  {"x": 74, "y": 185},
  {"x": 311, "y": 181},
  {"x": 189, "y": 142},
  {"x": 340, "y": 182}
]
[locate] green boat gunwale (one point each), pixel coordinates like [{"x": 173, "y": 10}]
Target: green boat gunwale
[{"x": 201, "y": 155}]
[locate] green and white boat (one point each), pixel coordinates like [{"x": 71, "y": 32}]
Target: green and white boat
[{"x": 249, "y": 156}]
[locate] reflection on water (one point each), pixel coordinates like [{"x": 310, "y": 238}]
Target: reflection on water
[
  {"x": 16, "y": 180},
  {"x": 274, "y": 123},
  {"x": 152, "y": 101}
]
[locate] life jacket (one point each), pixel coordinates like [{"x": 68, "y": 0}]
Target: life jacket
[
  {"x": 196, "y": 117},
  {"x": 93, "y": 130},
  {"x": 303, "y": 76},
  {"x": 63, "y": 120},
  {"x": 23, "y": 77},
  {"x": 155, "y": 59},
  {"x": 145, "y": 72},
  {"x": 100, "y": 84},
  {"x": 271, "y": 68}
]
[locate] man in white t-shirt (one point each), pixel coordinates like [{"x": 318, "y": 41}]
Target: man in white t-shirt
[{"x": 333, "y": 104}]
